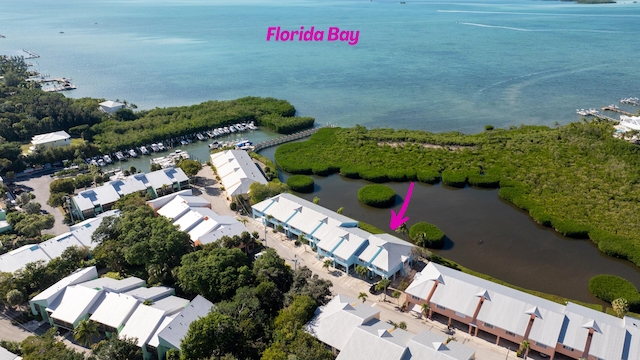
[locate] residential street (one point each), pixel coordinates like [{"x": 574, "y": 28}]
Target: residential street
[
  {"x": 342, "y": 284},
  {"x": 39, "y": 186}
]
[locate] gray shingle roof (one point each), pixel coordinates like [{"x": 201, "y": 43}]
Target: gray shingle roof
[{"x": 178, "y": 327}]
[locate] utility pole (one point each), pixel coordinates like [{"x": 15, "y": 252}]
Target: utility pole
[
  {"x": 295, "y": 262},
  {"x": 265, "y": 231}
]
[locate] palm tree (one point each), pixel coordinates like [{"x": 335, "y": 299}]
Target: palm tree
[
  {"x": 402, "y": 325},
  {"x": 361, "y": 271},
  {"x": 402, "y": 229},
  {"x": 304, "y": 241},
  {"x": 525, "y": 346},
  {"x": 363, "y": 296},
  {"x": 383, "y": 285},
  {"x": 424, "y": 309},
  {"x": 85, "y": 331},
  {"x": 327, "y": 263},
  {"x": 620, "y": 306},
  {"x": 396, "y": 294},
  {"x": 243, "y": 221}
]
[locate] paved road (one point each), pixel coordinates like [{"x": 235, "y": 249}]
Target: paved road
[
  {"x": 39, "y": 186},
  {"x": 342, "y": 284}
]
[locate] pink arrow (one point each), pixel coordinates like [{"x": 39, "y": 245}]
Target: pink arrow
[{"x": 399, "y": 218}]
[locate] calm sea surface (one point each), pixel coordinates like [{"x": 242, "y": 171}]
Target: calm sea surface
[{"x": 437, "y": 66}]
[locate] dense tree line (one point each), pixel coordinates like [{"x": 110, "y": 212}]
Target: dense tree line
[{"x": 577, "y": 178}]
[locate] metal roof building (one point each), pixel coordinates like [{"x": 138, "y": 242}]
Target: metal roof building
[
  {"x": 237, "y": 171},
  {"x": 52, "y": 139},
  {"x": 74, "y": 305},
  {"x": 113, "y": 311},
  {"x": 171, "y": 336},
  {"x": 142, "y": 324}
]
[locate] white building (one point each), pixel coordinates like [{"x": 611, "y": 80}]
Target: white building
[
  {"x": 194, "y": 216},
  {"x": 110, "y": 107},
  {"x": 237, "y": 171},
  {"x": 49, "y": 140},
  {"x": 353, "y": 330},
  {"x": 80, "y": 236}
]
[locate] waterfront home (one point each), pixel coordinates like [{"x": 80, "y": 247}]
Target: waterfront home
[
  {"x": 336, "y": 236},
  {"x": 41, "y": 301},
  {"x": 80, "y": 235},
  {"x": 194, "y": 216},
  {"x": 353, "y": 331},
  {"x": 507, "y": 316},
  {"x": 237, "y": 171},
  {"x": 49, "y": 140},
  {"x": 171, "y": 336},
  {"x": 110, "y": 107},
  {"x": 92, "y": 202}
]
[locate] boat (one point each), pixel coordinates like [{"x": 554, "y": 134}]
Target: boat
[
  {"x": 214, "y": 145},
  {"x": 143, "y": 150},
  {"x": 226, "y": 130},
  {"x": 582, "y": 112},
  {"x": 161, "y": 147},
  {"x": 154, "y": 147},
  {"x": 107, "y": 159},
  {"x": 232, "y": 129},
  {"x": 252, "y": 126},
  {"x": 132, "y": 153},
  {"x": 200, "y": 137},
  {"x": 184, "y": 142},
  {"x": 243, "y": 144},
  {"x": 101, "y": 163}
]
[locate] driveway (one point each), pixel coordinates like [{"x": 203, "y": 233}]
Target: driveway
[{"x": 39, "y": 186}]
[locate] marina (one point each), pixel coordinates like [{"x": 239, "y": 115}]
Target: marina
[
  {"x": 53, "y": 84},
  {"x": 616, "y": 109},
  {"x": 172, "y": 159},
  {"x": 631, "y": 101},
  {"x": 284, "y": 139}
]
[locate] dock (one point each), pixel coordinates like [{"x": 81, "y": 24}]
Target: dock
[
  {"x": 31, "y": 55},
  {"x": 631, "y": 101},
  {"x": 56, "y": 84},
  {"x": 615, "y": 109},
  {"x": 287, "y": 138}
]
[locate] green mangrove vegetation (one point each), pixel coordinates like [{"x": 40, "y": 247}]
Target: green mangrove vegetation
[
  {"x": 577, "y": 178},
  {"x": 377, "y": 195},
  {"x": 300, "y": 183},
  {"x": 611, "y": 287},
  {"x": 426, "y": 235}
]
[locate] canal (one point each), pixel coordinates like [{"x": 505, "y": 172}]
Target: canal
[{"x": 485, "y": 234}]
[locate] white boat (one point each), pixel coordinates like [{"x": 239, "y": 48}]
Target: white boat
[
  {"x": 214, "y": 145},
  {"x": 101, "y": 162},
  {"x": 243, "y": 144},
  {"x": 184, "y": 142},
  {"x": 133, "y": 153},
  {"x": 161, "y": 147},
  {"x": 226, "y": 130},
  {"x": 232, "y": 129},
  {"x": 107, "y": 159},
  {"x": 119, "y": 156},
  {"x": 143, "y": 150},
  {"x": 200, "y": 137},
  {"x": 252, "y": 126},
  {"x": 154, "y": 147}
]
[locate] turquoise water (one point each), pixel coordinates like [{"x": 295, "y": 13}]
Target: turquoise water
[{"x": 423, "y": 65}]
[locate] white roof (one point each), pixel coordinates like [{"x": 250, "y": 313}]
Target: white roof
[
  {"x": 114, "y": 285},
  {"x": 170, "y": 304},
  {"x": 56, "y": 246},
  {"x": 8, "y": 355},
  {"x": 506, "y": 308},
  {"x": 89, "y": 199},
  {"x": 75, "y": 303},
  {"x": 237, "y": 171},
  {"x": 181, "y": 204},
  {"x": 164, "y": 200},
  {"x": 49, "y": 137},
  {"x": 189, "y": 220},
  {"x": 80, "y": 275},
  {"x": 630, "y": 122},
  {"x": 154, "y": 341},
  {"x": 385, "y": 251},
  {"x": 225, "y": 230},
  {"x": 429, "y": 345},
  {"x": 115, "y": 309},
  {"x": 142, "y": 324},
  {"x": 150, "y": 293},
  {"x": 168, "y": 176},
  {"x": 632, "y": 349},
  {"x": 130, "y": 184},
  {"x": 334, "y": 322},
  {"x": 111, "y": 104},
  {"x": 376, "y": 340},
  {"x": 282, "y": 207},
  {"x": 178, "y": 327},
  {"x": 18, "y": 258},
  {"x": 608, "y": 338}
]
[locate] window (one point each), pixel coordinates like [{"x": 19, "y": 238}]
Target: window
[
  {"x": 441, "y": 307},
  {"x": 415, "y": 297},
  {"x": 543, "y": 346},
  {"x": 460, "y": 315},
  {"x": 488, "y": 325},
  {"x": 567, "y": 348},
  {"x": 510, "y": 333}
]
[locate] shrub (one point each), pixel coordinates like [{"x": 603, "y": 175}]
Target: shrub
[
  {"x": 488, "y": 127},
  {"x": 541, "y": 217},
  {"x": 300, "y": 183},
  {"x": 429, "y": 176},
  {"x": 571, "y": 229},
  {"x": 370, "y": 228},
  {"x": 374, "y": 175},
  {"x": 349, "y": 172},
  {"x": 485, "y": 181},
  {"x": 427, "y": 235},
  {"x": 454, "y": 178},
  {"x": 611, "y": 287},
  {"x": 233, "y": 206},
  {"x": 377, "y": 195},
  {"x": 322, "y": 170}
]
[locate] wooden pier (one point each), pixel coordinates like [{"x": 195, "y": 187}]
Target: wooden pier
[
  {"x": 57, "y": 84},
  {"x": 32, "y": 55},
  {"x": 287, "y": 138},
  {"x": 609, "y": 108}
]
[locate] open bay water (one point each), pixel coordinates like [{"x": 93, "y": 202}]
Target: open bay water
[{"x": 437, "y": 66}]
